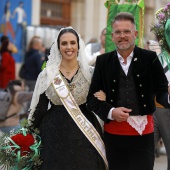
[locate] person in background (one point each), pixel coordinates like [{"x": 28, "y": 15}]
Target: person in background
[
  {"x": 7, "y": 69},
  {"x": 92, "y": 40},
  {"x": 13, "y": 47},
  {"x": 162, "y": 118},
  {"x": 67, "y": 129},
  {"x": 162, "y": 115},
  {"x": 46, "y": 54},
  {"x": 130, "y": 77},
  {"x": 161, "y": 130},
  {"x": 33, "y": 62},
  {"x": 95, "y": 49},
  {"x": 19, "y": 96}
]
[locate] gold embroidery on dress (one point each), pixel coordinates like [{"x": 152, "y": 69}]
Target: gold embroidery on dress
[
  {"x": 72, "y": 86},
  {"x": 75, "y": 112}
]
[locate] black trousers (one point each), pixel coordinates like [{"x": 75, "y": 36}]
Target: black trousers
[{"x": 130, "y": 152}]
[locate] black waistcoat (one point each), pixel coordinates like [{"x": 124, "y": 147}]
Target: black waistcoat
[{"x": 127, "y": 96}]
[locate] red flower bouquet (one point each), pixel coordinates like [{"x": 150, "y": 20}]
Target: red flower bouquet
[
  {"x": 24, "y": 142},
  {"x": 20, "y": 150}
]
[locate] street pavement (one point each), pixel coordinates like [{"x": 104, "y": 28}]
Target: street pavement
[{"x": 161, "y": 161}]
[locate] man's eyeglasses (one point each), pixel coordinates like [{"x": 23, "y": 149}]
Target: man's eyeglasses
[{"x": 125, "y": 33}]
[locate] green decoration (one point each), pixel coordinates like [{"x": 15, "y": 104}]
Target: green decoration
[
  {"x": 165, "y": 56},
  {"x": 136, "y": 7},
  {"x": 167, "y": 32}
]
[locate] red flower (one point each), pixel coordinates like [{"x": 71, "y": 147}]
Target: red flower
[{"x": 24, "y": 142}]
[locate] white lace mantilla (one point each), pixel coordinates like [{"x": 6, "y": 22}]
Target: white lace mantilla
[
  {"x": 138, "y": 123},
  {"x": 77, "y": 88},
  {"x": 47, "y": 76}
]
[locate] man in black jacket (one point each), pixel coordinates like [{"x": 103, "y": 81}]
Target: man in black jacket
[{"x": 131, "y": 77}]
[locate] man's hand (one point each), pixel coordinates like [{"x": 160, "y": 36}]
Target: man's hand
[{"x": 121, "y": 114}]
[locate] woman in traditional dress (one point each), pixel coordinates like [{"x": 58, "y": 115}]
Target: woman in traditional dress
[{"x": 70, "y": 140}]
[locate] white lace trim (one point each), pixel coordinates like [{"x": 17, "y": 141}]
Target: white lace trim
[{"x": 138, "y": 123}]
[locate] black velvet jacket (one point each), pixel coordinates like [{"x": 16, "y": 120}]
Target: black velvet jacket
[{"x": 148, "y": 75}]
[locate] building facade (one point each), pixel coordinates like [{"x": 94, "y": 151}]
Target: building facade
[{"x": 88, "y": 17}]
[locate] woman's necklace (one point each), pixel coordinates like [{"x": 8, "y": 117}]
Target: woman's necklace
[{"x": 68, "y": 71}]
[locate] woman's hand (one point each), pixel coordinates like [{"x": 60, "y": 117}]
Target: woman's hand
[
  {"x": 169, "y": 89},
  {"x": 100, "y": 95}
]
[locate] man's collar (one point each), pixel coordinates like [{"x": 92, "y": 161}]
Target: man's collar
[{"x": 121, "y": 58}]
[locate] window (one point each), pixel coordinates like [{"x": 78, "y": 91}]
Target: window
[{"x": 55, "y": 12}]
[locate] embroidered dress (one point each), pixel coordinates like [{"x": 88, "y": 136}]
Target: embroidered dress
[{"x": 65, "y": 147}]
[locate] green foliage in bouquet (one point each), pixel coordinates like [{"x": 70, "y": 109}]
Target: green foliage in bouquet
[{"x": 20, "y": 150}]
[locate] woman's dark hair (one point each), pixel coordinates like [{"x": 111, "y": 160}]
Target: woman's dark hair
[
  {"x": 4, "y": 38},
  {"x": 4, "y": 47},
  {"x": 67, "y": 30},
  {"x": 11, "y": 85}
]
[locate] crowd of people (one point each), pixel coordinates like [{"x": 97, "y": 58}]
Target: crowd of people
[
  {"x": 81, "y": 86},
  {"x": 21, "y": 89}
]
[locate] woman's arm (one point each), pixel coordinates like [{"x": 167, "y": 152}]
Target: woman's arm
[{"x": 40, "y": 110}]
